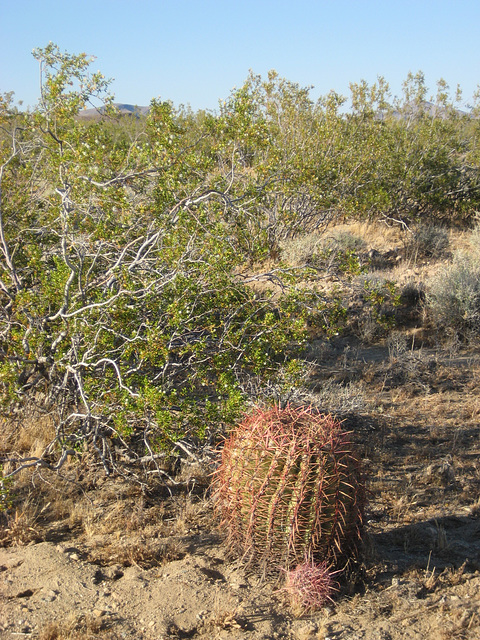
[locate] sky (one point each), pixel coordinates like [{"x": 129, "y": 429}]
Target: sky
[{"x": 194, "y": 52}]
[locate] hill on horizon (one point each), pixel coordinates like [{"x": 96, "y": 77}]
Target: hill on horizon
[{"x": 122, "y": 107}]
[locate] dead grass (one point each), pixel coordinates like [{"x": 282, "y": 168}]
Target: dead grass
[
  {"x": 20, "y": 527},
  {"x": 376, "y": 236},
  {"x": 338, "y": 398},
  {"x": 359, "y": 236},
  {"x": 137, "y": 552},
  {"x": 28, "y": 433},
  {"x": 79, "y": 628}
]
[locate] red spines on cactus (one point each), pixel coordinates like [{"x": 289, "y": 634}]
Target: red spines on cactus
[
  {"x": 290, "y": 486},
  {"x": 309, "y": 586}
]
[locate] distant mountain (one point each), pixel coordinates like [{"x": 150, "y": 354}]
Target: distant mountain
[
  {"x": 408, "y": 111},
  {"x": 428, "y": 108},
  {"x": 122, "y": 108}
]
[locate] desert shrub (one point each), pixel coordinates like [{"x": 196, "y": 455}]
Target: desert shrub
[
  {"x": 428, "y": 241},
  {"x": 123, "y": 312},
  {"x": 474, "y": 239},
  {"x": 127, "y": 310},
  {"x": 412, "y": 294},
  {"x": 453, "y": 296},
  {"x": 290, "y": 487},
  {"x": 343, "y": 240},
  {"x": 379, "y": 300},
  {"x": 411, "y": 303}
]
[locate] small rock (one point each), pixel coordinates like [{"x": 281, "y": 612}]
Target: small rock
[
  {"x": 133, "y": 573},
  {"x": 238, "y": 585},
  {"x": 99, "y": 613},
  {"x": 114, "y": 572}
]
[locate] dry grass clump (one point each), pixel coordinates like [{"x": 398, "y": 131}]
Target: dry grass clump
[
  {"x": 20, "y": 527},
  {"x": 190, "y": 514},
  {"x": 135, "y": 530},
  {"x": 23, "y": 436},
  {"x": 311, "y": 248},
  {"x": 374, "y": 235},
  {"x": 27, "y": 432},
  {"x": 37, "y": 501},
  {"x": 474, "y": 237},
  {"x": 345, "y": 240},
  {"x": 302, "y": 250},
  {"x": 79, "y": 628},
  {"x": 140, "y": 553},
  {"x": 337, "y": 398},
  {"x": 125, "y": 513}
]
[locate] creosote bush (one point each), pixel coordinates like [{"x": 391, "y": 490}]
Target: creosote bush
[
  {"x": 129, "y": 308},
  {"x": 290, "y": 486},
  {"x": 125, "y": 312}
]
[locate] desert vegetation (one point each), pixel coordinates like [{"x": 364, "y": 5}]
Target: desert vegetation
[{"x": 170, "y": 280}]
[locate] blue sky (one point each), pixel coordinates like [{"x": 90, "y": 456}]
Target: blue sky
[{"x": 195, "y": 51}]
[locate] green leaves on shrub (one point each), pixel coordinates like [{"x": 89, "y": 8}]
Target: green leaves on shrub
[{"x": 138, "y": 301}]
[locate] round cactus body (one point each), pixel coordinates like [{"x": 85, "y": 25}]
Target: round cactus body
[
  {"x": 290, "y": 487},
  {"x": 309, "y": 586}
]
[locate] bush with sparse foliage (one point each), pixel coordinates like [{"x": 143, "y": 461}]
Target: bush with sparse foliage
[{"x": 453, "y": 296}]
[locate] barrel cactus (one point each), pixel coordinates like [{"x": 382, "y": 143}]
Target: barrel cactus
[
  {"x": 309, "y": 586},
  {"x": 289, "y": 487}
]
